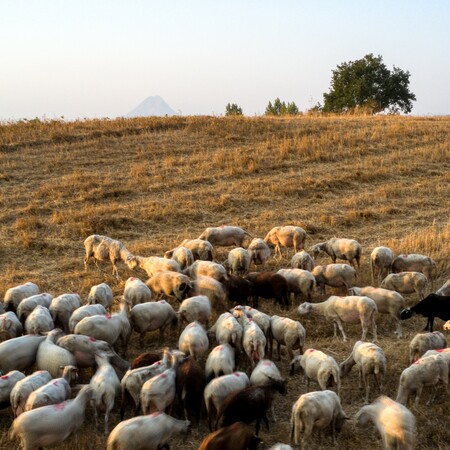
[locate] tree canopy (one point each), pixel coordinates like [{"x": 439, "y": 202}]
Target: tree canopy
[
  {"x": 367, "y": 83},
  {"x": 232, "y": 109},
  {"x": 279, "y": 108}
]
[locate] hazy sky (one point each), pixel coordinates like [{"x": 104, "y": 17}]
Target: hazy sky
[{"x": 98, "y": 58}]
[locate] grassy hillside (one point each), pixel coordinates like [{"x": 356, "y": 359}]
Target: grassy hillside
[{"x": 153, "y": 182}]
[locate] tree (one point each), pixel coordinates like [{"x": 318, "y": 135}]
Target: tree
[
  {"x": 367, "y": 83},
  {"x": 280, "y": 108},
  {"x": 232, "y": 109}
]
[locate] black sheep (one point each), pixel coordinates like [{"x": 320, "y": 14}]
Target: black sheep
[{"x": 432, "y": 306}]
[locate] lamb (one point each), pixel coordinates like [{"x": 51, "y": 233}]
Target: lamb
[
  {"x": 200, "y": 249},
  {"x": 220, "y": 362},
  {"x": 380, "y": 263},
  {"x": 319, "y": 367},
  {"x": 334, "y": 275},
  {"x": 62, "y": 307},
  {"x": 85, "y": 311},
  {"x": 170, "y": 283},
  {"x": 152, "y": 432},
  {"x": 339, "y": 248},
  {"x": 269, "y": 285},
  {"x": 102, "y": 248},
  {"x": 407, "y": 283},
  {"x": 224, "y": 236},
  {"x": 299, "y": 282},
  {"x": 136, "y": 292},
  {"x": 425, "y": 341},
  {"x": 11, "y": 324},
  {"x": 302, "y": 260},
  {"x": 194, "y": 341},
  {"x": 208, "y": 269},
  {"x": 28, "y": 304},
  {"x": 182, "y": 255},
  {"x": 101, "y": 294},
  {"x": 197, "y": 308},
  {"x": 158, "y": 392},
  {"x": 15, "y": 295},
  {"x": 444, "y": 289},
  {"x": 415, "y": 262},
  {"x": 388, "y": 302},
  {"x": 426, "y": 371},
  {"x": 286, "y": 332},
  {"x": 152, "y": 264},
  {"x": 395, "y": 423},
  {"x": 52, "y": 424},
  {"x": 152, "y": 316},
  {"x": 371, "y": 360},
  {"x": 53, "y": 392},
  {"x": 286, "y": 236},
  {"x": 259, "y": 252},
  {"x": 212, "y": 288},
  {"x": 351, "y": 309},
  {"x": 19, "y": 353},
  {"x": 316, "y": 411},
  {"x": 39, "y": 321},
  {"x": 227, "y": 331},
  {"x": 238, "y": 261},
  {"x": 430, "y": 307},
  {"x": 7, "y": 383},
  {"x": 237, "y": 436}
]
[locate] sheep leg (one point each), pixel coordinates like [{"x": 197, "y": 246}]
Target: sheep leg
[
  {"x": 366, "y": 385},
  {"x": 433, "y": 395},
  {"x": 399, "y": 331},
  {"x": 418, "y": 394},
  {"x": 272, "y": 410},
  {"x": 279, "y": 351},
  {"x": 341, "y": 329},
  {"x": 106, "y": 422}
]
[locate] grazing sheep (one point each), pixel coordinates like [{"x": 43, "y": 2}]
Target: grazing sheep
[
  {"x": 286, "y": 236},
  {"x": 407, "y": 283},
  {"x": 334, "y": 275},
  {"x": 444, "y": 289},
  {"x": 207, "y": 269},
  {"x": 136, "y": 292},
  {"x": 286, "y": 332},
  {"x": 85, "y": 311},
  {"x": 158, "y": 393},
  {"x": 237, "y": 436},
  {"x": 102, "y": 248},
  {"x": 19, "y": 353},
  {"x": 16, "y": 294},
  {"x": 269, "y": 285},
  {"x": 415, "y": 262},
  {"x": 238, "y": 261},
  {"x": 430, "y": 307},
  {"x": 339, "y": 248},
  {"x": 152, "y": 432},
  {"x": 299, "y": 282},
  {"x": 259, "y": 252},
  {"x": 351, "y": 309},
  {"x": 28, "y": 304},
  {"x": 200, "y": 249},
  {"x": 152, "y": 264},
  {"x": 220, "y": 361},
  {"x": 371, "y": 360},
  {"x": 395, "y": 423},
  {"x": 62, "y": 307},
  {"x": 101, "y": 294},
  {"x": 182, "y": 255},
  {"x": 302, "y": 260},
  {"x": 380, "y": 263},
  {"x": 261, "y": 319},
  {"x": 194, "y": 341},
  {"x": 225, "y": 236},
  {"x": 7, "y": 383},
  {"x": 146, "y": 359},
  {"x": 197, "y": 308},
  {"x": 39, "y": 321},
  {"x": 10, "y": 323},
  {"x": 238, "y": 290},
  {"x": 316, "y": 411},
  {"x": 227, "y": 331},
  {"x": 170, "y": 283},
  {"x": 425, "y": 341},
  {"x": 212, "y": 288}
]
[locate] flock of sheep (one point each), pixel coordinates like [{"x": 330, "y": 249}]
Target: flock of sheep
[{"x": 58, "y": 336}]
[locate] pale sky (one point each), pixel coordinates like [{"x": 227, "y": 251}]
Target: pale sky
[{"x": 101, "y": 58}]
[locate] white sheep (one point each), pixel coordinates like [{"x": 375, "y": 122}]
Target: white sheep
[
  {"x": 28, "y": 304},
  {"x": 194, "y": 340},
  {"x": 422, "y": 342},
  {"x": 288, "y": 332},
  {"x": 53, "y": 392},
  {"x": 286, "y": 236},
  {"x": 302, "y": 260},
  {"x": 444, "y": 289},
  {"x": 225, "y": 236},
  {"x": 197, "y": 308},
  {"x": 10, "y": 323},
  {"x": 7, "y": 383},
  {"x": 261, "y": 319},
  {"x": 350, "y": 309},
  {"x": 170, "y": 283},
  {"x": 370, "y": 360},
  {"x": 103, "y": 248},
  {"x": 395, "y": 423},
  {"x": 19, "y": 353},
  {"x": 220, "y": 361},
  {"x": 158, "y": 392},
  {"x": 200, "y": 248},
  {"x": 319, "y": 367},
  {"x": 380, "y": 263},
  {"x": 16, "y": 294},
  {"x": 300, "y": 282},
  {"x": 259, "y": 252},
  {"x": 182, "y": 255},
  {"x": 212, "y": 288},
  {"x": 62, "y": 307},
  {"x": 444, "y": 352},
  {"x": 238, "y": 261},
  {"x": 415, "y": 262},
  {"x": 227, "y": 330},
  {"x": 387, "y": 301},
  {"x": 316, "y": 411},
  {"x": 136, "y": 292},
  {"x": 407, "y": 283},
  {"x": 340, "y": 248},
  {"x": 426, "y": 371},
  {"x": 85, "y": 311},
  {"x": 52, "y": 424},
  {"x": 152, "y": 432},
  {"x": 207, "y": 269},
  {"x": 101, "y": 294},
  {"x": 39, "y": 321},
  {"x": 152, "y": 264},
  {"x": 334, "y": 275}
]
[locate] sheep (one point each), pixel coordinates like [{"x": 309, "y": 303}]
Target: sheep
[
  {"x": 193, "y": 341},
  {"x": 219, "y": 388},
  {"x": 380, "y": 263},
  {"x": 302, "y": 260},
  {"x": 444, "y": 289},
  {"x": 7, "y": 383},
  {"x": 426, "y": 371},
  {"x": 85, "y": 311},
  {"x": 220, "y": 361},
  {"x": 182, "y": 255},
  {"x": 425, "y": 341},
  {"x": 16, "y": 294},
  {"x": 371, "y": 360},
  {"x": 388, "y": 302},
  {"x": 52, "y": 424},
  {"x": 415, "y": 262},
  {"x": 334, "y": 275},
  {"x": 269, "y": 285},
  {"x": 210, "y": 287},
  {"x": 101, "y": 294},
  {"x": 350, "y": 309},
  {"x": 395, "y": 423},
  {"x": 61, "y": 309},
  {"x": 299, "y": 282},
  {"x": 407, "y": 283},
  {"x": 24, "y": 387},
  {"x": 225, "y": 236},
  {"x": 102, "y": 248},
  {"x": 259, "y": 252},
  {"x": 39, "y": 321},
  {"x": 158, "y": 392},
  {"x": 238, "y": 261},
  {"x": 286, "y": 332},
  {"x": 28, "y": 304},
  {"x": 444, "y": 352},
  {"x": 197, "y": 308},
  {"x": 19, "y": 353},
  {"x": 136, "y": 292},
  {"x": 286, "y": 236},
  {"x": 316, "y": 411},
  {"x": 152, "y": 264},
  {"x": 11, "y": 324},
  {"x": 319, "y": 367},
  {"x": 339, "y": 248},
  {"x": 170, "y": 283},
  {"x": 152, "y": 316},
  {"x": 430, "y": 307},
  {"x": 53, "y": 392},
  {"x": 206, "y": 268},
  {"x": 261, "y": 319},
  {"x": 146, "y": 359},
  {"x": 227, "y": 331},
  {"x": 237, "y": 436},
  {"x": 152, "y": 432},
  {"x": 200, "y": 249}
]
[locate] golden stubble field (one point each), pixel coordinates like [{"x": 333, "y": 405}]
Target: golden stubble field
[{"x": 153, "y": 182}]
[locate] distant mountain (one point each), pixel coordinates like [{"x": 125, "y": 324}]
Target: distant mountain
[{"x": 152, "y": 106}]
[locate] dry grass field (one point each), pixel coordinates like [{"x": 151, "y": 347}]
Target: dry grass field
[{"x": 153, "y": 182}]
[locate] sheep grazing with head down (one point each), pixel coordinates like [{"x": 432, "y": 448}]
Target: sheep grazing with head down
[
  {"x": 28, "y": 304},
  {"x": 182, "y": 255},
  {"x": 225, "y": 236},
  {"x": 101, "y": 294},
  {"x": 170, "y": 283},
  {"x": 194, "y": 341},
  {"x": 286, "y": 332},
  {"x": 196, "y": 308},
  {"x": 62, "y": 307},
  {"x": 39, "y": 321},
  {"x": 444, "y": 289},
  {"x": 430, "y": 307},
  {"x": 16, "y": 294},
  {"x": 152, "y": 264},
  {"x": 415, "y": 262},
  {"x": 339, "y": 248},
  {"x": 238, "y": 261},
  {"x": 136, "y": 292},
  {"x": 237, "y": 436},
  {"x": 407, "y": 283},
  {"x": 85, "y": 311},
  {"x": 19, "y": 353},
  {"x": 300, "y": 282},
  {"x": 302, "y": 260},
  {"x": 9, "y": 323},
  {"x": 334, "y": 275},
  {"x": 207, "y": 269},
  {"x": 286, "y": 236},
  {"x": 7, "y": 383},
  {"x": 259, "y": 252},
  {"x": 380, "y": 263},
  {"x": 422, "y": 342},
  {"x": 200, "y": 249}
]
